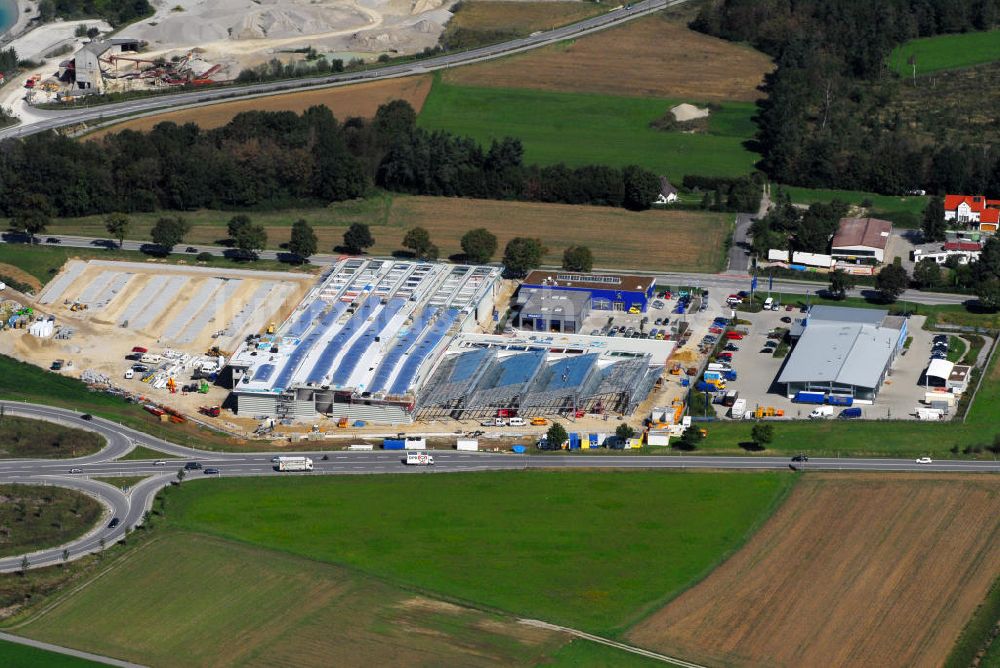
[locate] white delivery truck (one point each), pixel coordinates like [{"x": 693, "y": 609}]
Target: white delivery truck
[
  {"x": 295, "y": 464},
  {"x": 517, "y": 422},
  {"x": 821, "y": 412},
  {"x": 419, "y": 459},
  {"x": 739, "y": 408},
  {"x": 719, "y": 366}
]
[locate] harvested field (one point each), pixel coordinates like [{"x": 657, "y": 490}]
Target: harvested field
[
  {"x": 665, "y": 240},
  {"x": 9, "y": 271},
  {"x": 520, "y": 16},
  {"x": 357, "y": 100},
  {"x": 641, "y": 58},
  {"x": 853, "y": 570}
]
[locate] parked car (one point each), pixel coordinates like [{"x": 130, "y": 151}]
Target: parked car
[
  {"x": 731, "y": 347},
  {"x": 789, "y": 307},
  {"x": 924, "y": 460},
  {"x": 941, "y": 338},
  {"x": 786, "y": 319}
]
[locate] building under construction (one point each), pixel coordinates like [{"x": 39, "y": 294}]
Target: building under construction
[
  {"x": 485, "y": 375},
  {"x": 361, "y": 344}
]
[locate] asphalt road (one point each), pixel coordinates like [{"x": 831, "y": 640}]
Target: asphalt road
[
  {"x": 56, "y": 118},
  {"x": 729, "y": 282},
  {"x": 129, "y": 507}
]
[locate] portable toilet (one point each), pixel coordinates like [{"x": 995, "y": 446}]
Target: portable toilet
[
  {"x": 595, "y": 440},
  {"x": 574, "y": 441}
]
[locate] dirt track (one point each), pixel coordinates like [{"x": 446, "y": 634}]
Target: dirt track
[{"x": 851, "y": 571}]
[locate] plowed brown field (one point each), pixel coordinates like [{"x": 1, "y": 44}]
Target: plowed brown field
[
  {"x": 652, "y": 57},
  {"x": 851, "y": 571},
  {"x": 357, "y": 100}
]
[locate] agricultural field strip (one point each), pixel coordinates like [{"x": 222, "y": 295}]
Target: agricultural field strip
[{"x": 56, "y": 288}]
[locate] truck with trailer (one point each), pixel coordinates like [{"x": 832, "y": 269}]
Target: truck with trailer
[
  {"x": 810, "y": 398},
  {"x": 419, "y": 459},
  {"x": 289, "y": 464}
]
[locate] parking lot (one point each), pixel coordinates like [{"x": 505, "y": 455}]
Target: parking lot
[
  {"x": 660, "y": 321},
  {"x": 757, "y": 371}
]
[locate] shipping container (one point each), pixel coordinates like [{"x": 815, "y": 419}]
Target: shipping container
[
  {"x": 415, "y": 443},
  {"x": 468, "y": 444},
  {"x": 574, "y": 441},
  {"x": 519, "y": 449},
  {"x": 933, "y": 397},
  {"x": 837, "y": 400},
  {"x": 393, "y": 444},
  {"x": 364, "y": 447}
]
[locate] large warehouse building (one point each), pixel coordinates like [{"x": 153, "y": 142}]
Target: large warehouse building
[
  {"x": 606, "y": 292},
  {"x": 362, "y": 342},
  {"x": 843, "y": 352}
]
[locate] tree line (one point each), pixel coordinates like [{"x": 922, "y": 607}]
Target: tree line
[
  {"x": 273, "y": 159},
  {"x": 828, "y": 118}
]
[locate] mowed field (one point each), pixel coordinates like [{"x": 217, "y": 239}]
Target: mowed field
[
  {"x": 946, "y": 52},
  {"x": 592, "y": 550},
  {"x": 202, "y": 601},
  {"x": 648, "y": 57},
  {"x": 852, "y": 570},
  {"x": 14, "y": 655},
  {"x": 654, "y": 239},
  {"x": 356, "y": 100},
  {"x": 588, "y": 128}
]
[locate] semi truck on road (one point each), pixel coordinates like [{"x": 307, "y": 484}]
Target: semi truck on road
[{"x": 294, "y": 464}]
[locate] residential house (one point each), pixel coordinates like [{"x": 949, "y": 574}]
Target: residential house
[
  {"x": 668, "y": 193},
  {"x": 973, "y": 210}
]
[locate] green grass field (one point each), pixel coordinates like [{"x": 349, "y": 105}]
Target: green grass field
[
  {"x": 946, "y": 52},
  {"x": 33, "y": 517},
  {"x": 123, "y": 482},
  {"x": 26, "y": 438},
  {"x": 142, "y": 452},
  {"x": 903, "y": 211},
  {"x": 579, "y": 129},
  {"x": 581, "y": 549},
  {"x": 594, "y": 655},
  {"x": 14, "y": 655},
  {"x": 195, "y": 600}
]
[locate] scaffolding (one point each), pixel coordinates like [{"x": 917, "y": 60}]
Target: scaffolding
[{"x": 483, "y": 381}]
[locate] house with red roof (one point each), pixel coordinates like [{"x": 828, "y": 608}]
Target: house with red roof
[{"x": 973, "y": 210}]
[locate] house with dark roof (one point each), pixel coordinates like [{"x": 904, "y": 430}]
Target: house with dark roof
[
  {"x": 861, "y": 240},
  {"x": 973, "y": 210},
  {"x": 668, "y": 193}
]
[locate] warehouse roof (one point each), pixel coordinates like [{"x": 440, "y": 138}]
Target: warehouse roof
[
  {"x": 870, "y": 232},
  {"x": 841, "y": 352},
  {"x": 545, "y": 302},
  {"x": 847, "y": 314},
  {"x": 564, "y": 279}
]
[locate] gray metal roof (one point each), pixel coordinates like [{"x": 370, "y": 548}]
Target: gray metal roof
[
  {"x": 845, "y": 314},
  {"x": 841, "y": 352}
]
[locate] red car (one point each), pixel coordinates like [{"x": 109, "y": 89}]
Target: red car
[
  {"x": 728, "y": 357},
  {"x": 734, "y": 336},
  {"x": 715, "y": 330},
  {"x": 140, "y": 349}
]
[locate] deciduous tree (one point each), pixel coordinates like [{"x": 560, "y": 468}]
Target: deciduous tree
[
  {"x": 522, "y": 255},
  {"x": 578, "y": 258},
  {"x": 479, "y": 245},
  {"x": 118, "y": 226},
  {"x": 303, "y": 242},
  {"x": 357, "y": 238}
]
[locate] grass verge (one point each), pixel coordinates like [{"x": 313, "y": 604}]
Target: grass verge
[
  {"x": 30, "y": 439},
  {"x": 15, "y": 655},
  {"x": 520, "y": 532},
  {"x": 33, "y": 517},
  {"x": 979, "y": 633},
  {"x": 122, "y": 482},
  {"x": 142, "y": 452}
]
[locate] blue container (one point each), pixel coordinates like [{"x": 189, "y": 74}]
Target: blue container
[
  {"x": 519, "y": 449},
  {"x": 574, "y": 441},
  {"x": 393, "y": 444},
  {"x": 593, "y": 440},
  {"x": 707, "y": 387},
  {"x": 809, "y": 398},
  {"x": 359, "y": 423},
  {"x": 729, "y": 375},
  {"x": 685, "y": 382}
]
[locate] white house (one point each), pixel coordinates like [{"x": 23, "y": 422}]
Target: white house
[
  {"x": 668, "y": 193},
  {"x": 973, "y": 210}
]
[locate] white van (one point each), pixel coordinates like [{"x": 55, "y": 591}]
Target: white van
[
  {"x": 151, "y": 358},
  {"x": 821, "y": 412},
  {"x": 517, "y": 422},
  {"x": 768, "y": 303},
  {"x": 129, "y": 373}
]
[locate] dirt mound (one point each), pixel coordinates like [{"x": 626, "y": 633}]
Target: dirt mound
[{"x": 20, "y": 275}]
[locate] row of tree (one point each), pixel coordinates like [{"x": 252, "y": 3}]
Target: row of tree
[
  {"x": 828, "y": 118},
  {"x": 788, "y": 227},
  {"x": 272, "y": 159}
]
